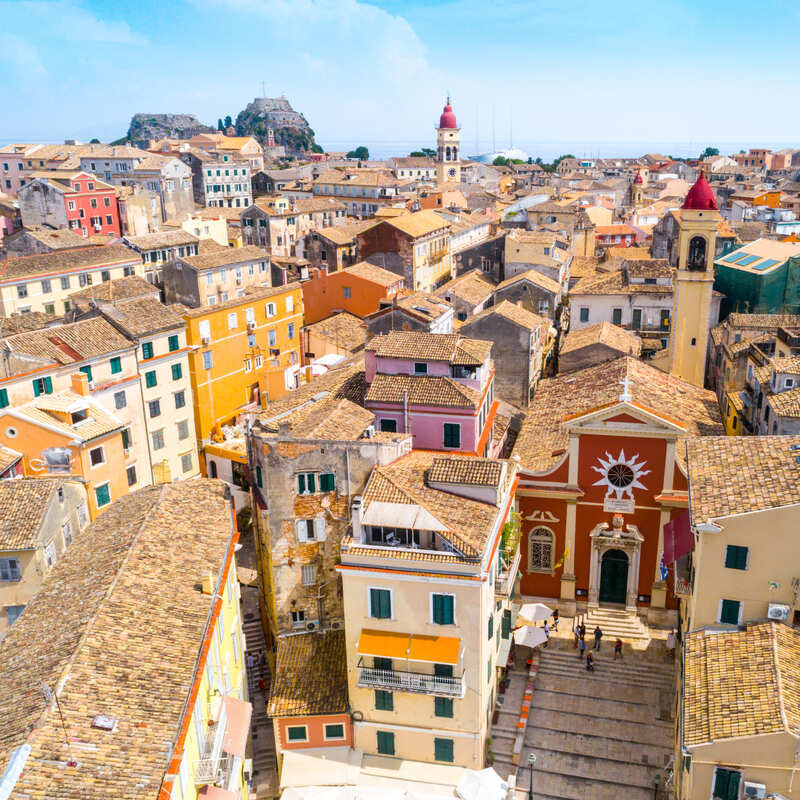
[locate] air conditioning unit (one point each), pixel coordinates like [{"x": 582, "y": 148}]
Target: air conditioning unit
[
  {"x": 336, "y": 625},
  {"x": 251, "y": 326},
  {"x": 206, "y": 340},
  {"x": 370, "y": 431},
  {"x": 778, "y": 611},
  {"x": 310, "y": 626},
  {"x": 238, "y": 279},
  {"x": 128, "y": 451},
  {"x": 755, "y": 791},
  {"x": 274, "y": 351}
]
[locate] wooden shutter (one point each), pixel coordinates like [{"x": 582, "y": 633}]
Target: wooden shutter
[
  {"x": 48, "y": 385},
  {"x": 448, "y": 607},
  {"x": 438, "y": 609},
  {"x": 301, "y": 483},
  {"x": 319, "y": 529},
  {"x": 312, "y": 487},
  {"x": 300, "y": 527}
]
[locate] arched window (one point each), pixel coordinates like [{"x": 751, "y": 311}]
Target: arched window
[
  {"x": 697, "y": 253},
  {"x": 540, "y": 550},
  {"x": 212, "y": 469},
  {"x": 447, "y": 153}
]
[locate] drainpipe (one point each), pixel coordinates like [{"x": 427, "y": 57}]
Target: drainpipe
[{"x": 405, "y": 411}]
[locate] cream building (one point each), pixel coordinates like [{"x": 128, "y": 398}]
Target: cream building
[
  {"x": 163, "y": 363},
  {"x": 44, "y": 281},
  {"x": 426, "y": 578}
]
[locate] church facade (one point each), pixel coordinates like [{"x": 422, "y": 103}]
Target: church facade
[{"x": 602, "y": 470}]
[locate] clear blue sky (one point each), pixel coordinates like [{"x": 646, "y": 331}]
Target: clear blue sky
[{"x": 587, "y": 71}]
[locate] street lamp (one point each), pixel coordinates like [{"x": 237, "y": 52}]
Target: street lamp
[
  {"x": 531, "y": 761},
  {"x": 656, "y": 781}
]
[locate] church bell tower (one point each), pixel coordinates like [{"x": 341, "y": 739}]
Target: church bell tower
[
  {"x": 694, "y": 283},
  {"x": 448, "y": 147}
]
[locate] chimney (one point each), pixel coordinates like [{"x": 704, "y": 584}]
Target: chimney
[
  {"x": 355, "y": 519},
  {"x": 80, "y": 383}
]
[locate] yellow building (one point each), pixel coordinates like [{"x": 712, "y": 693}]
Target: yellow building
[
  {"x": 737, "y": 721},
  {"x": 43, "y": 282},
  {"x": 427, "y": 605},
  {"x": 244, "y": 351},
  {"x": 146, "y": 660},
  {"x": 694, "y": 283}
]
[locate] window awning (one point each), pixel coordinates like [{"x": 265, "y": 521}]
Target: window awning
[
  {"x": 237, "y": 727},
  {"x": 400, "y": 515},
  {"x": 414, "y": 647},
  {"x": 678, "y": 538}
]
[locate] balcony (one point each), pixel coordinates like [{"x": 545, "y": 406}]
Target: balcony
[
  {"x": 412, "y": 682},
  {"x": 210, "y": 770},
  {"x": 507, "y": 572}
]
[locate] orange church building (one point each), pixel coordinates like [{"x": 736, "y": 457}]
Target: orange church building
[{"x": 602, "y": 469}]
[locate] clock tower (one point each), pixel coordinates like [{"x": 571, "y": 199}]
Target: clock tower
[
  {"x": 448, "y": 146},
  {"x": 694, "y": 283}
]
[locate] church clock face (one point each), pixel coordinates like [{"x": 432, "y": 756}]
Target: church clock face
[
  {"x": 451, "y": 173},
  {"x": 620, "y": 475}
]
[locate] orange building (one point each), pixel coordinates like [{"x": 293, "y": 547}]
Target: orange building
[
  {"x": 69, "y": 433},
  {"x": 244, "y": 352},
  {"x": 358, "y": 290}
]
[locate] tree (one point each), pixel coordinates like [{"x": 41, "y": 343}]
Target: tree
[
  {"x": 361, "y": 153},
  {"x": 558, "y": 160},
  {"x": 94, "y": 141},
  {"x": 315, "y": 148},
  {"x": 228, "y": 121},
  {"x": 500, "y": 161},
  {"x": 220, "y": 126},
  {"x": 708, "y": 152},
  {"x": 425, "y": 152}
]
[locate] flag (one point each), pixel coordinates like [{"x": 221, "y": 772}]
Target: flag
[
  {"x": 564, "y": 557},
  {"x": 664, "y": 570}
]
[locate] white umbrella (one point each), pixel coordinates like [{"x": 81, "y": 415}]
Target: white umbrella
[
  {"x": 534, "y": 612},
  {"x": 530, "y": 637},
  {"x": 484, "y": 784}
]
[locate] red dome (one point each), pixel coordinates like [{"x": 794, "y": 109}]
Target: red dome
[
  {"x": 448, "y": 118},
  {"x": 700, "y": 196},
  {"x": 638, "y": 178}
]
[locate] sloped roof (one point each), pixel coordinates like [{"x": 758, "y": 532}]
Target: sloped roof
[
  {"x": 472, "y": 286},
  {"x": 626, "y": 342},
  {"x": 535, "y": 277},
  {"x": 421, "y": 390},
  {"x": 66, "y": 260},
  {"x": 543, "y": 437},
  {"x": 23, "y": 505}
]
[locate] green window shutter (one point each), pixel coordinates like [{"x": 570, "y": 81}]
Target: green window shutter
[
  {"x": 384, "y": 701},
  {"x": 177, "y": 372},
  {"x": 448, "y": 606},
  {"x": 312, "y": 484},
  {"x": 491, "y": 626},
  {"x": 3, "y": 398},
  {"x": 381, "y": 603},
  {"x": 173, "y": 343},
  {"x": 385, "y": 743},
  {"x": 443, "y": 670},
  {"x": 443, "y": 706},
  {"x": 259, "y": 479},
  {"x": 327, "y": 482},
  {"x": 443, "y": 749},
  {"x": 87, "y": 371},
  {"x": 736, "y": 557},
  {"x": 116, "y": 365},
  {"x": 150, "y": 379},
  {"x": 126, "y": 438},
  {"x": 389, "y": 425},
  {"x": 452, "y": 435},
  {"x": 296, "y": 733},
  {"x": 733, "y": 785},
  {"x": 102, "y": 495},
  {"x": 489, "y": 669},
  {"x": 506, "y": 624},
  {"x": 301, "y": 483},
  {"x": 48, "y": 385},
  {"x": 37, "y": 387},
  {"x": 437, "y": 609},
  {"x": 730, "y": 612},
  {"x": 147, "y": 350}
]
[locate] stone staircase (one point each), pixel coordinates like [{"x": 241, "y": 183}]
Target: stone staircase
[
  {"x": 505, "y": 729},
  {"x": 602, "y": 735},
  {"x": 613, "y": 622},
  {"x": 262, "y": 737}
]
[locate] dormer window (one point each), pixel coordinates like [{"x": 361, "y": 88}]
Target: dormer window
[
  {"x": 420, "y": 368},
  {"x": 79, "y": 416}
]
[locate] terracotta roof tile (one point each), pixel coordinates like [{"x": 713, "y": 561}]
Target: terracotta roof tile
[
  {"x": 151, "y": 241},
  {"x": 741, "y": 474},
  {"x": 225, "y": 257},
  {"x": 544, "y": 436},
  {"x": 344, "y": 330},
  {"x": 466, "y": 470},
  {"x": 517, "y": 314},
  {"x": 472, "y": 286},
  {"x": 422, "y": 390},
  {"x": 142, "y": 316},
  {"x": 67, "y": 260},
  {"x": 371, "y": 272},
  {"x": 23, "y": 505},
  {"x": 116, "y": 289},
  {"x": 535, "y": 277},
  {"x": 626, "y": 342},
  {"x": 310, "y": 675}
]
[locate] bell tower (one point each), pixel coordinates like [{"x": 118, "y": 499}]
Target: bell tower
[
  {"x": 637, "y": 190},
  {"x": 448, "y": 147},
  {"x": 694, "y": 283}
]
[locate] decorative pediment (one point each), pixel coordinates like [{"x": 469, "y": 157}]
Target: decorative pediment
[{"x": 625, "y": 416}]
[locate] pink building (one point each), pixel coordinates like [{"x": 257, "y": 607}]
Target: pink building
[
  {"x": 13, "y": 166},
  {"x": 437, "y": 386}
]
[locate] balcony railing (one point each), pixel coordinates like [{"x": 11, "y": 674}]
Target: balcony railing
[
  {"x": 212, "y": 770},
  {"x": 507, "y": 574},
  {"x": 413, "y": 682}
]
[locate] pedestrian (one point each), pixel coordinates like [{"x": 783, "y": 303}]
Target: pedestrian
[
  {"x": 546, "y": 633},
  {"x": 577, "y": 631},
  {"x": 589, "y": 662},
  {"x": 671, "y": 644},
  {"x": 251, "y": 661},
  {"x": 617, "y": 649},
  {"x": 598, "y": 635},
  {"x": 581, "y": 648},
  {"x": 555, "y": 620},
  {"x": 582, "y": 631}
]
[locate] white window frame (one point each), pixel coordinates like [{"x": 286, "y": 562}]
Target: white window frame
[
  {"x": 541, "y": 570},
  {"x": 430, "y": 607},
  {"x": 50, "y": 555},
  {"x": 719, "y": 609},
  {"x": 233, "y": 320},
  {"x": 102, "y": 450},
  {"x": 248, "y": 365},
  {"x": 100, "y": 486},
  {"x": 391, "y": 602},
  {"x": 308, "y": 570},
  {"x": 66, "y": 533},
  {"x": 289, "y": 304},
  {"x": 296, "y": 741},
  {"x": 270, "y": 310},
  {"x": 327, "y": 738}
]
